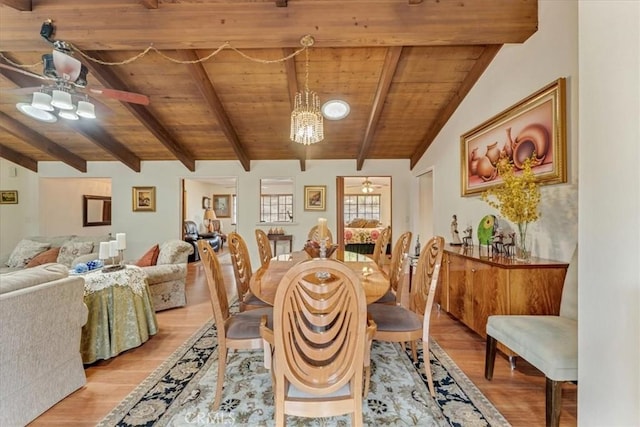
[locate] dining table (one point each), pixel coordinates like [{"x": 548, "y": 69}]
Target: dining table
[{"x": 264, "y": 282}]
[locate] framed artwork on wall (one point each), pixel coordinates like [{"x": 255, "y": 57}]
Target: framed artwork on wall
[
  {"x": 315, "y": 197},
  {"x": 144, "y": 199},
  {"x": 206, "y": 202},
  {"x": 222, "y": 205},
  {"x": 534, "y": 128},
  {"x": 9, "y": 197}
]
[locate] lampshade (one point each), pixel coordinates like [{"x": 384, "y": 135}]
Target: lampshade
[
  {"x": 42, "y": 101},
  {"x": 210, "y": 214},
  {"x": 306, "y": 118},
  {"x": 86, "y": 109},
  {"x": 36, "y": 113},
  {"x": 61, "y": 99},
  {"x": 68, "y": 114}
]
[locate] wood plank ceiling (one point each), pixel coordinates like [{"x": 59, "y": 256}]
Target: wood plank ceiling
[{"x": 404, "y": 66}]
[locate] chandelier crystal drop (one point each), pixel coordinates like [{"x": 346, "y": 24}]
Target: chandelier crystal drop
[{"x": 306, "y": 118}]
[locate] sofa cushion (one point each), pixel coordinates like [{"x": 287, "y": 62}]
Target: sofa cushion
[
  {"x": 32, "y": 276},
  {"x": 72, "y": 249},
  {"x": 174, "y": 252},
  {"x": 150, "y": 257},
  {"x": 45, "y": 257},
  {"x": 24, "y": 251}
]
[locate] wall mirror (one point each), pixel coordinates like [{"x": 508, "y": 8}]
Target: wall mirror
[
  {"x": 96, "y": 210},
  {"x": 276, "y": 200}
]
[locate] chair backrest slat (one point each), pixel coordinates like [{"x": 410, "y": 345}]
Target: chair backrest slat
[
  {"x": 215, "y": 283},
  {"x": 314, "y": 236},
  {"x": 241, "y": 263},
  {"x": 264, "y": 247}
]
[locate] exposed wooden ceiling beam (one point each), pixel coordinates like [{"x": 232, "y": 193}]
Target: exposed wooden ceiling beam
[
  {"x": 101, "y": 138},
  {"x": 18, "y": 158},
  {"x": 386, "y": 76},
  {"x": 443, "y": 116},
  {"x": 332, "y": 23},
  {"x": 209, "y": 94},
  {"x": 281, "y": 3},
  {"x": 150, "y": 4},
  {"x": 42, "y": 143},
  {"x": 21, "y": 5},
  {"x": 292, "y": 84},
  {"x": 108, "y": 78}
]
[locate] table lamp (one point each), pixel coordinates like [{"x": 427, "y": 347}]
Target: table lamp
[{"x": 210, "y": 215}]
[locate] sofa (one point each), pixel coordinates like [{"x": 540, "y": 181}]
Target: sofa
[
  {"x": 42, "y": 311},
  {"x": 73, "y": 249},
  {"x": 168, "y": 277},
  {"x": 192, "y": 235}
]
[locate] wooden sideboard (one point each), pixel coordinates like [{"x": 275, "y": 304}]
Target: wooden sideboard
[{"x": 471, "y": 287}]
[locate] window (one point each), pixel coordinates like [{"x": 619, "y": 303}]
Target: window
[
  {"x": 358, "y": 206},
  {"x": 276, "y": 208}
]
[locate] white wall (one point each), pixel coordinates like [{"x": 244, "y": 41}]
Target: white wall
[
  {"x": 516, "y": 72},
  {"x": 609, "y": 229},
  {"x": 61, "y": 205},
  {"x": 147, "y": 228}
]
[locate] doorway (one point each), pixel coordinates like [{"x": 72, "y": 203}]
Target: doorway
[{"x": 424, "y": 224}]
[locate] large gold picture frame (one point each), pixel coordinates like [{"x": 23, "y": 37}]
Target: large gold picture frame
[{"x": 535, "y": 126}]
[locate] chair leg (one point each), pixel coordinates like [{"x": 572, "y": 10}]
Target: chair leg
[
  {"x": 427, "y": 365},
  {"x": 414, "y": 351},
  {"x": 553, "y": 402},
  {"x": 367, "y": 380},
  {"x": 490, "y": 357},
  {"x": 222, "y": 366}
]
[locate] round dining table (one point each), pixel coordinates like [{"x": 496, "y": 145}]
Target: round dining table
[{"x": 264, "y": 282}]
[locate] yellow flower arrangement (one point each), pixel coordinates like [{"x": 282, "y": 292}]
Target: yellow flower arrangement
[{"x": 517, "y": 198}]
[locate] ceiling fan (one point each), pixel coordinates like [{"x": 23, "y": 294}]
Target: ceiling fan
[
  {"x": 66, "y": 79},
  {"x": 368, "y": 186}
]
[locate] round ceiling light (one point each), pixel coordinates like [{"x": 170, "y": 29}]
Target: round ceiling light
[
  {"x": 36, "y": 113},
  {"x": 335, "y": 109}
]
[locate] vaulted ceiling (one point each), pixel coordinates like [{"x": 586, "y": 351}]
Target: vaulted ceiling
[{"x": 404, "y": 66}]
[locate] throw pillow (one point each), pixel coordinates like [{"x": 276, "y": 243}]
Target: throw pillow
[
  {"x": 71, "y": 250},
  {"x": 24, "y": 251},
  {"x": 150, "y": 257},
  {"x": 44, "y": 258}
]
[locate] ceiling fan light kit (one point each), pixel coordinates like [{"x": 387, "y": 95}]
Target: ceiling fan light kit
[
  {"x": 36, "y": 113},
  {"x": 42, "y": 101},
  {"x": 367, "y": 186},
  {"x": 86, "y": 109},
  {"x": 61, "y": 99}
]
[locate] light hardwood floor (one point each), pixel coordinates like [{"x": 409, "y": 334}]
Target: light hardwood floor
[{"x": 518, "y": 395}]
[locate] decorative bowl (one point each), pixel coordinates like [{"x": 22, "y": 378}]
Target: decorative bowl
[{"x": 313, "y": 249}]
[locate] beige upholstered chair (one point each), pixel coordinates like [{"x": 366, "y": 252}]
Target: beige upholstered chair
[
  {"x": 399, "y": 324},
  {"x": 380, "y": 248},
  {"x": 550, "y": 343},
  {"x": 320, "y": 337},
  {"x": 264, "y": 247},
  {"x": 313, "y": 235},
  {"x": 242, "y": 272},
  {"x": 167, "y": 279},
  {"x": 396, "y": 269},
  {"x": 235, "y": 331}
]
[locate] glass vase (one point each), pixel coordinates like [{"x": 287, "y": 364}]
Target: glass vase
[{"x": 523, "y": 244}]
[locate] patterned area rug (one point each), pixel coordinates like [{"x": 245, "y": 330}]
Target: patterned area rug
[{"x": 179, "y": 392}]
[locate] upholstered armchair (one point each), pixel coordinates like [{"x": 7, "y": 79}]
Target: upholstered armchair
[
  {"x": 168, "y": 277},
  {"x": 192, "y": 235}
]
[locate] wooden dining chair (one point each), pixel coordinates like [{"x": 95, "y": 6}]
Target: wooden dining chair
[
  {"x": 396, "y": 323},
  {"x": 396, "y": 270},
  {"x": 313, "y": 235},
  {"x": 264, "y": 247},
  {"x": 235, "y": 331},
  {"x": 320, "y": 336},
  {"x": 242, "y": 271},
  {"x": 380, "y": 248}
]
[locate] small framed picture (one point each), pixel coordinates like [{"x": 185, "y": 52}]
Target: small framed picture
[
  {"x": 315, "y": 197},
  {"x": 206, "y": 202},
  {"x": 9, "y": 197},
  {"x": 144, "y": 199},
  {"x": 222, "y": 205}
]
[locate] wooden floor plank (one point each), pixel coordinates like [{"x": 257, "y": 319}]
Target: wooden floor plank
[{"x": 518, "y": 395}]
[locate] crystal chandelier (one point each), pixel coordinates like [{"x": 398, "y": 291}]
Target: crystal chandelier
[{"x": 306, "y": 117}]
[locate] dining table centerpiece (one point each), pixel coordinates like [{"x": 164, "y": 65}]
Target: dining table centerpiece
[{"x": 517, "y": 200}]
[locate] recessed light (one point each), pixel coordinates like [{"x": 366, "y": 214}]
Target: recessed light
[
  {"x": 335, "y": 109},
  {"x": 35, "y": 113}
]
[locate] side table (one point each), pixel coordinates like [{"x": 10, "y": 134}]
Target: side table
[
  {"x": 275, "y": 238},
  {"x": 121, "y": 313}
]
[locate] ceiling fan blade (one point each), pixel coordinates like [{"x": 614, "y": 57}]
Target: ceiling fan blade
[
  {"x": 121, "y": 95},
  {"x": 67, "y": 67},
  {"x": 21, "y": 71},
  {"x": 21, "y": 90}
]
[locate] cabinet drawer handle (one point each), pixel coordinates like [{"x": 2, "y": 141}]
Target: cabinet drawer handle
[{"x": 473, "y": 270}]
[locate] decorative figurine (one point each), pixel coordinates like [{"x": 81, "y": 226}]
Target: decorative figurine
[
  {"x": 467, "y": 240},
  {"x": 455, "y": 236}
]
